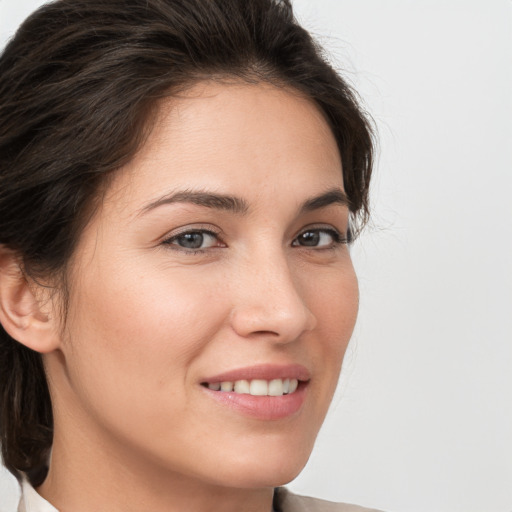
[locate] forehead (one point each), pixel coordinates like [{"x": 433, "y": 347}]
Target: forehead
[{"x": 252, "y": 139}]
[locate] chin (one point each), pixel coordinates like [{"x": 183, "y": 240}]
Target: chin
[
  {"x": 270, "y": 477},
  {"x": 273, "y": 469}
]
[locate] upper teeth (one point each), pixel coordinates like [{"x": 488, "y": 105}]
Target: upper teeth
[{"x": 257, "y": 387}]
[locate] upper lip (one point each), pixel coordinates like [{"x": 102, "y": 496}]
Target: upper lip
[{"x": 262, "y": 371}]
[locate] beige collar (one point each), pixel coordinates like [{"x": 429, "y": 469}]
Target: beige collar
[{"x": 31, "y": 501}]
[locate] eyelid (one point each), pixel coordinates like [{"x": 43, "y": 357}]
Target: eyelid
[
  {"x": 339, "y": 238},
  {"x": 168, "y": 239}
]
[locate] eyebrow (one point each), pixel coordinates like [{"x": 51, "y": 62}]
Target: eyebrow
[
  {"x": 240, "y": 206},
  {"x": 332, "y": 196},
  {"x": 207, "y": 199}
]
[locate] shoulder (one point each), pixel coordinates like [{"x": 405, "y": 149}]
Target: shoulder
[{"x": 285, "y": 501}]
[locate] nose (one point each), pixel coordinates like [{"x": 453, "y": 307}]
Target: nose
[{"x": 268, "y": 300}]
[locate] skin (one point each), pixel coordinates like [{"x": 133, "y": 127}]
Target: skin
[{"x": 148, "y": 319}]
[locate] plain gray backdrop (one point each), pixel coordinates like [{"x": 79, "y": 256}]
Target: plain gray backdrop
[{"x": 423, "y": 417}]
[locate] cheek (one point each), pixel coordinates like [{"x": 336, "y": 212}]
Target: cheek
[
  {"x": 334, "y": 297},
  {"x": 134, "y": 335},
  {"x": 334, "y": 300}
]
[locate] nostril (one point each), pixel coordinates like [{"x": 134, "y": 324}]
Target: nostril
[{"x": 265, "y": 333}]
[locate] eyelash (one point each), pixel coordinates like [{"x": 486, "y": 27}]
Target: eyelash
[
  {"x": 202, "y": 231},
  {"x": 337, "y": 239}
]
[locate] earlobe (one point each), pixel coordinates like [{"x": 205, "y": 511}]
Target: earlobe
[{"x": 23, "y": 313}]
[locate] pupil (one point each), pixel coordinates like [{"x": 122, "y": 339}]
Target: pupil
[
  {"x": 310, "y": 238},
  {"x": 191, "y": 240}
]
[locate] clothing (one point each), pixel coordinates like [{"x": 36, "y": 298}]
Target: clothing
[
  {"x": 30, "y": 501},
  {"x": 284, "y": 501}
]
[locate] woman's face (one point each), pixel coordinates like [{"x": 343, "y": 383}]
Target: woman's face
[{"x": 218, "y": 258}]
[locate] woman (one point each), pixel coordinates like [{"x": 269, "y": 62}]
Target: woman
[{"x": 180, "y": 180}]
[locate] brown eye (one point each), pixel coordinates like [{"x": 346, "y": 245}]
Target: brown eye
[
  {"x": 321, "y": 238},
  {"x": 309, "y": 238}
]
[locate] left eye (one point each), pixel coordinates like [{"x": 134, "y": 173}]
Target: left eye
[
  {"x": 317, "y": 238},
  {"x": 194, "y": 240}
]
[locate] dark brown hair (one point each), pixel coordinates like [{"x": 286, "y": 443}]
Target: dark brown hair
[{"x": 78, "y": 86}]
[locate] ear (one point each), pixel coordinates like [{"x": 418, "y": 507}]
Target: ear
[{"x": 25, "y": 306}]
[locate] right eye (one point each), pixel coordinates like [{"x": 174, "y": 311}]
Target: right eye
[{"x": 194, "y": 240}]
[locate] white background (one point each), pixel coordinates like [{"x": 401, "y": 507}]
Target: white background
[{"x": 423, "y": 417}]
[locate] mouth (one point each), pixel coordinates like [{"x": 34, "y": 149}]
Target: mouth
[
  {"x": 265, "y": 392},
  {"x": 256, "y": 387}
]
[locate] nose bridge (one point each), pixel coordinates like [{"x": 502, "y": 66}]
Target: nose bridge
[{"x": 268, "y": 298}]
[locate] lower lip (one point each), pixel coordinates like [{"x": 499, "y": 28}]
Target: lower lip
[{"x": 262, "y": 407}]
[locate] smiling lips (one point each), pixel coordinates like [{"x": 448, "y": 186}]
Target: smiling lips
[{"x": 266, "y": 392}]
